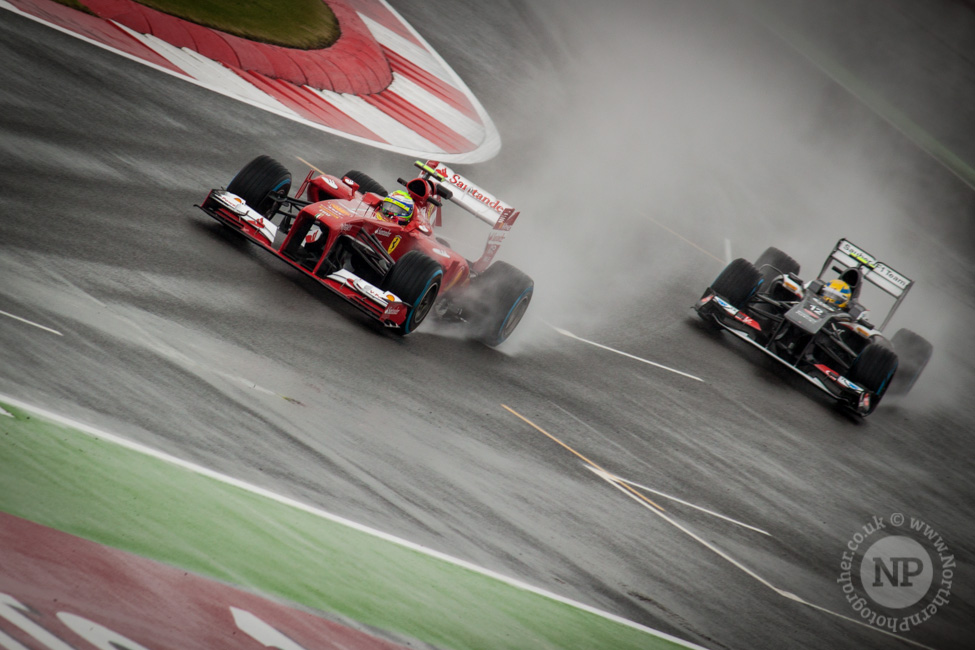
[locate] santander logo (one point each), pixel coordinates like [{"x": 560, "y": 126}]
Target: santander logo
[{"x": 469, "y": 188}]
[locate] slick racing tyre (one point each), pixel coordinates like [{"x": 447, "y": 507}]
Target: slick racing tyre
[
  {"x": 873, "y": 368},
  {"x": 914, "y": 352},
  {"x": 259, "y": 181},
  {"x": 505, "y": 293},
  {"x": 416, "y": 280},
  {"x": 738, "y": 282},
  {"x": 366, "y": 182},
  {"x": 775, "y": 263}
]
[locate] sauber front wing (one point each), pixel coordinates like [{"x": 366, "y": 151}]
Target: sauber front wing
[{"x": 714, "y": 308}]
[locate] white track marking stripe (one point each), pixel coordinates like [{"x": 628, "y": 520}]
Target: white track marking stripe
[
  {"x": 620, "y": 479},
  {"x": 322, "y": 514},
  {"x": 210, "y": 73},
  {"x": 437, "y": 108},
  {"x": 491, "y": 143},
  {"x": 574, "y": 452},
  {"x": 683, "y": 238},
  {"x": 785, "y": 594},
  {"x": 24, "y": 320},
  {"x": 382, "y": 124},
  {"x": 625, "y": 354},
  {"x": 692, "y": 535},
  {"x": 415, "y": 54}
]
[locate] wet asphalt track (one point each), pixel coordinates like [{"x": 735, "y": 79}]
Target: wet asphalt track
[{"x": 178, "y": 335}]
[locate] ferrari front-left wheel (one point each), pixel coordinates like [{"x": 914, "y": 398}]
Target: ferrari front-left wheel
[
  {"x": 416, "y": 280},
  {"x": 259, "y": 182}
]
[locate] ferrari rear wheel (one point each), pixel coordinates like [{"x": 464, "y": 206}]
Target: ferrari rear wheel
[
  {"x": 366, "y": 182},
  {"x": 738, "y": 282},
  {"x": 259, "y": 182},
  {"x": 874, "y": 368},
  {"x": 505, "y": 293},
  {"x": 416, "y": 280}
]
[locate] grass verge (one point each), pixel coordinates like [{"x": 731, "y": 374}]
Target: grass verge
[{"x": 299, "y": 24}]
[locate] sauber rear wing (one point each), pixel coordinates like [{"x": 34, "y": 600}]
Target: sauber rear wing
[
  {"x": 876, "y": 272},
  {"x": 478, "y": 202}
]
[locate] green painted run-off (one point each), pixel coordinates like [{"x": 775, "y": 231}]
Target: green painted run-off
[{"x": 77, "y": 483}]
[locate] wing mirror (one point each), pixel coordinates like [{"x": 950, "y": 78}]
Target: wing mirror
[{"x": 858, "y": 312}]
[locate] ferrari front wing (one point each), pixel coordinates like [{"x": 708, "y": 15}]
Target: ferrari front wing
[{"x": 231, "y": 210}]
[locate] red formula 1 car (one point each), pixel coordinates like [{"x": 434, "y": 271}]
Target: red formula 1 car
[
  {"x": 821, "y": 329},
  {"x": 396, "y": 271}
]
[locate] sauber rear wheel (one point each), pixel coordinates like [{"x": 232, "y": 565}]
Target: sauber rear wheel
[
  {"x": 366, "y": 182},
  {"x": 259, "y": 181},
  {"x": 914, "y": 352},
  {"x": 505, "y": 293},
  {"x": 416, "y": 280},
  {"x": 873, "y": 369},
  {"x": 738, "y": 282}
]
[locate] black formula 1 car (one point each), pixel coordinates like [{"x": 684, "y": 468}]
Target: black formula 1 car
[{"x": 828, "y": 341}]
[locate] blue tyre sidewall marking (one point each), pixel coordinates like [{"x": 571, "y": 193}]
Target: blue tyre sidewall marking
[
  {"x": 883, "y": 386},
  {"x": 409, "y": 318},
  {"x": 754, "y": 291},
  {"x": 529, "y": 290}
]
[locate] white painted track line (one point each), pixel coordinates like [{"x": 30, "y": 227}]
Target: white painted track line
[
  {"x": 785, "y": 594},
  {"x": 29, "y": 322},
  {"x": 616, "y": 477},
  {"x": 625, "y": 354},
  {"x": 627, "y": 488}
]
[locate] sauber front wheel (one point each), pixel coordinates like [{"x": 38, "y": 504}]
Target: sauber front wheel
[
  {"x": 774, "y": 262},
  {"x": 416, "y": 280},
  {"x": 738, "y": 282},
  {"x": 873, "y": 369}
]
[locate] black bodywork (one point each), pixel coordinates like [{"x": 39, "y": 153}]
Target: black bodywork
[{"x": 836, "y": 349}]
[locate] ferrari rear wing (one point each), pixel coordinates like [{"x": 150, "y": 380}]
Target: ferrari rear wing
[{"x": 465, "y": 194}]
